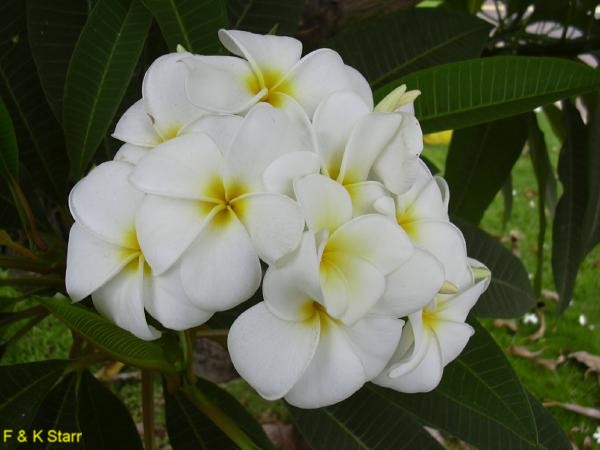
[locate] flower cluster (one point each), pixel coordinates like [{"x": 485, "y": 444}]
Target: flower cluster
[{"x": 268, "y": 156}]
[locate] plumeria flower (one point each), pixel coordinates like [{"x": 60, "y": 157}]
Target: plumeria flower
[
  {"x": 163, "y": 112},
  {"x": 104, "y": 258},
  {"x": 433, "y": 338},
  {"x": 269, "y": 69},
  {"x": 354, "y": 255},
  {"x": 422, "y": 212},
  {"x": 313, "y": 340},
  {"x": 399, "y": 100},
  {"x": 207, "y": 208}
]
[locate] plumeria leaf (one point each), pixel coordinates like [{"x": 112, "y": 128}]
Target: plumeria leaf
[
  {"x": 388, "y": 47},
  {"x": 208, "y": 417},
  {"x": 23, "y": 388},
  {"x": 479, "y": 400},
  {"x": 108, "y": 337},
  {"x": 467, "y": 93},
  {"x": 39, "y": 136},
  {"x": 568, "y": 232},
  {"x": 592, "y": 218},
  {"x": 509, "y": 293},
  {"x": 550, "y": 434},
  {"x": 260, "y": 16},
  {"x": 480, "y": 159},
  {"x": 53, "y": 29},
  {"x": 104, "y": 421},
  {"x": 9, "y": 152},
  {"x": 190, "y": 23},
  {"x": 369, "y": 419},
  {"x": 99, "y": 73}
]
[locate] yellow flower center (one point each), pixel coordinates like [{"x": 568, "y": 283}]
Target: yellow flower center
[
  {"x": 408, "y": 222},
  {"x": 224, "y": 197},
  {"x": 273, "y": 82},
  {"x": 315, "y": 311}
]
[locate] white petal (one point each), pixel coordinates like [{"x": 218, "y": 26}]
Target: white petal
[
  {"x": 280, "y": 175},
  {"x": 166, "y": 301},
  {"x": 376, "y": 239},
  {"x": 325, "y": 203},
  {"x": 221, "y": 269},
  {"x": 397, "y": 165},
  {"x": 266, "y": 134},
  {"x": 374, "y": 340},
  {"x": 370, "y": 136},
  {"x": 121, "y": 301},
  {"x": 360, "y": 85},
  {"x": 427, "y": 203},
  {"x": 274, "y": 222},
  {"x": 135, "y": 127},
  {"x": 334, "y": 374},
  {"x": 457, "y": 307},
  {"x": 315, "y": 76},
  {"x": 284, "y": 295},
  {"x": 105, "y": 202},
  {"x": 221, "y": 129},
  {"x": 411, "y": 348},
  {"x": 303, "y": 136},
  {"x": 91, "y": 262},
  {"x": 452, "y": 337},
  {"x": 413, "y": 285},
  {"x": 263, "y": 52},
  {"x": 164, "y": 95},
  {"x": 222, "y": 84},
  {"x": 424, "y": 377},
  {"x": 167, "y": 227},
  {"x": 364, "y": 195},
  {"x": 351, "y": 286},
  {"x": 333, "y": 121},
  {"x": 302, "y": 270},
  {"x": 187, "y": 166},
  {"x": 130, "y": 153},
  {"x": 269, "y": 353},
  {"x": 444, "y": 241},
  {"x": 386, "y": 206}
]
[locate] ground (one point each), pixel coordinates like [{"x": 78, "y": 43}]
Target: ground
[{"x": 578, "y": 329}]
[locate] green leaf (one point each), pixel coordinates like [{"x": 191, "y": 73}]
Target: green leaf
[
  {"x": 190, "y": 23},
  {"x": 39, "y": 136},
  {"x": 259, "y": 16},
  {"x": 23, "y": 388},
  {"x": 104, "y": 421},
  {"x": 592, "y": 215},
  {"x": 509, "y": 293},
  {"x": 369, "y": 419},
  {"x": 204, "y": 416},
  {"x": 550, "y": 434},
  {"x": 100, "y": 71},
  {"x": 397, "y": 44},
  {"x": 480, "y": 160},
  {"x": 479, "y": 400},
  {"x": 108, "y": 337},
  {"x": 568, "y": 229},
  {"x": 468, "y": 93},
  {"x": 53, "y": 29},
  {"x": 9, "y": 152}
]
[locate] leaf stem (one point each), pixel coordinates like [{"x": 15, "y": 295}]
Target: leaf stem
[{"x": 148, "y": 409}]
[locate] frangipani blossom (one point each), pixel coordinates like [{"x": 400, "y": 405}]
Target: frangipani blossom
[
  {"x": 353, "y": 256},
  {"x": 433, "y": 338},
  {"x": 163, "y": 112},
  {"x": 269, "y": 69},
  {"x": 422, "y": 212},
  {"x": 399, "y": 100},
  {"x": 291, "y": 345},
  {"x": 207, "y": 208},
  {"x": 105, "y": 260}
]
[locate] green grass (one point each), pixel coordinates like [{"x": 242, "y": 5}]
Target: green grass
[{"x": 564, "y": 334}]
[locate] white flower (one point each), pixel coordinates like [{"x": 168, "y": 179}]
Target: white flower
[
  {"x": 208, "y": 208},
  {"x": 423, "y": 214},
  {"x": 596, "y": 435},
  {"x": 163, "y": 112},
  {"x": 269, "y": 69},
  {"x": 292, "y": 346},
  {"x": 433, "y": 338},
  {"x": 104, "y": 258}
]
